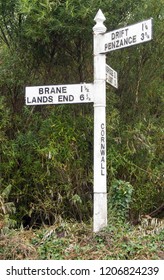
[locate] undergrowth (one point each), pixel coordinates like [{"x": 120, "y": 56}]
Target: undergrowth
[{"x": 76, "y": 241}]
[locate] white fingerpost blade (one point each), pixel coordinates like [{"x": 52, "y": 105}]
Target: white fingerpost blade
[
  {"x": 128, "y": 36},
  {"x": 59, "y": 94}
]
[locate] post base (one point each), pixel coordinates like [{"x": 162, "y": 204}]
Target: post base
[{"x": 100, "y": 211}]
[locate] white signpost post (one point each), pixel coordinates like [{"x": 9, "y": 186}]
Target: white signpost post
[
  {"x": 96, "y": 93},
  {"x": 100, "y": 183}
]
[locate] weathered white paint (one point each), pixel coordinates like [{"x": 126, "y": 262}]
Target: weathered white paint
[
  {"x": 59, "y": 94},
  {"x": 127, "y": 36},
  {"x": 111, "y": 76},
  {"x": 100, "y": 188}
]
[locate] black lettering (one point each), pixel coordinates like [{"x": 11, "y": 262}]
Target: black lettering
[
  {"x": 13, "y": 271},
  {"x": 102, "y": 173},
  {"x": 102, "y": 139},
  {"x": 46, "y": 90},
  {"x": 71, "y": 97},
  {"x": 39, "y": 98},
  {"x": 42, "y": 271},
  {"x": 126, "y": 31},
  {"x": 120, "y": 42},
  {"x": 102, "y": 146},
  {"x": 102, "y": 166},
  {"x": 52, "y": 90},
  {"x": 48, "y": 271},
  {"x": 130, "y": 40},
  {"x": 65, "y": 98},
  {"x": 33, "y": 271},
  {"x": 122, "y": 33},
  {"x": 117, "y": 34},
  {"x": 64, "y": 89},
  {"x": 62, "y": 271},
  {"x": 134, "y": 39},
  {"x": 102, "y": 152},
  {"x": 8, "y": 271},
  {"x": 112, "y": 36},
  {"x": 58, "y": 90},
  {"x": 50, "y": 99},
  {"x": 33, "y": 100},
  {"x": 109, "y": 46},
  {"x": 44, "y": 100},
  {"x": 61, "y": 89},
  {"x": 110, "y": 80},
  {"x": 117, "y": 43},
  {"x": 60, "y": 98},
  {"x": 126, "y": 41},
  {"x": 28, "y": 101},
  {"x": 113, "y": 45},
  {"x": 102, "y": 126},
  {"x": 40, "y": 90},
  {"x": 102, "y": 132},
  {"x": 102, "y": 159},
  {"x": 52, "y": 272}
]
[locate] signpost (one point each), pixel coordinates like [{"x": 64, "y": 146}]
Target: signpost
[
  {"x": 111, "y": 76},
  {"x": 104, "y": 43},
  {"x": 84, "y": 93}
]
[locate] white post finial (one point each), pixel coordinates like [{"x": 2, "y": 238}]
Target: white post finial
[{"x": 99, "y": 26}]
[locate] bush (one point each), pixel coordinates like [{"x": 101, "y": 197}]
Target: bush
[{"x": 120, "y": 198}]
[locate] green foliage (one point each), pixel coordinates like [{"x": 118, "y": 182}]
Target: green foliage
[
  {"x": 53, "y": 248},
  {"x": 135, "y": 152},
  {"x": 135, "y": 157},
  {"x": 6, "y": 210},
  {"x": 120, "y": 198},
  {"x": 59, "y": 180},
  {"x": 119, "y": 241},
  {"x": 46, "y": 152}
]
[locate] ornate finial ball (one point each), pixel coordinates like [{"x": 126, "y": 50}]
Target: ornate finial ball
[{"x": 99, "y": 26}]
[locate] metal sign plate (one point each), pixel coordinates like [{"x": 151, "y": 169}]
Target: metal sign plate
[
  {"x": 128, "y": 36},
  {"x": 59, "y": 94},
  {"x": 111, "y": 76}
]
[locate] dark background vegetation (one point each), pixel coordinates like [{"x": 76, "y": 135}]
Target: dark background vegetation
[{"x": 46, "y": 152}]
